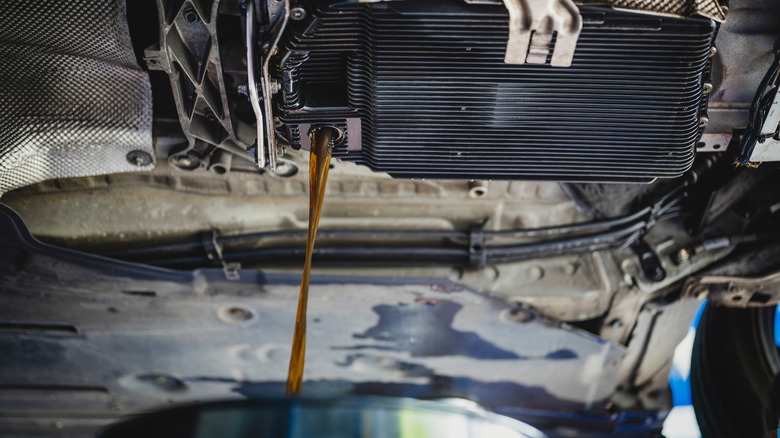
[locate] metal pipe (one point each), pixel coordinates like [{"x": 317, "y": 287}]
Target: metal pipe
[
  {"x": 220, "y": 162},
  {"x": 266, "y": 84},
  {"x": 251, "y": 86}
]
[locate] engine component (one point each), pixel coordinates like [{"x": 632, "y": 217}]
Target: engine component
[
  {"x": 73, "y": 100},
  {"x": 425, "y": 88},
  {"x": 201, "y": 48}
]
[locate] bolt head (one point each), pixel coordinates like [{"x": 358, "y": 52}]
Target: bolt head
[
  {"x": 184, "y": 162},
  {"x": 139, "y": 158},
  {"x": 297, "y": 13}
]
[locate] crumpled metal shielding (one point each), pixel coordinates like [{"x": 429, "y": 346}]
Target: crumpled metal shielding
[{"x": 73, "y": 100}]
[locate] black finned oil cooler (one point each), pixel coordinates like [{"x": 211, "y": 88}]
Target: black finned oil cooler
[{"x": 421, "y": 90}]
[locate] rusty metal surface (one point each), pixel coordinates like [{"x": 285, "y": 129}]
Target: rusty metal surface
[
  {"x": 152, "y": 336},
  {"x": 733, "y": 291}
]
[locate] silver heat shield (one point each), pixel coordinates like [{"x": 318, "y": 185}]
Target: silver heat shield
[{"x": 73, "y": 100}]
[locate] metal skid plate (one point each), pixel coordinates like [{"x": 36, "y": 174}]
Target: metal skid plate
[{"x": 86, "y": 339}]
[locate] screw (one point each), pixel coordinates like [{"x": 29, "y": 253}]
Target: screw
[
  {"x": 713, "y": 51},
  {"x": 185, "y": 161},
  {"x": 297, "y": 13},
  {"x": 683, "y": 255},
  {"x": 703, "y": 122},
  {"x": 190, "y": 16},
  {"x": 707, "y": 87},
  {"x": 139, "y": 158}
]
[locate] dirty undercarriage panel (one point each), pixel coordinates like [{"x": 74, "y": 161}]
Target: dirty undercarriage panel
[
  {"x": 379, "y": 337},
  {"x": 124, "y": 211}
]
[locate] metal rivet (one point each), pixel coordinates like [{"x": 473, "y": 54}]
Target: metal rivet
[
  {"x": 297, "y": 13},
  {"x": 235, "y": 314},
  {"x": 139, "y": 158}
]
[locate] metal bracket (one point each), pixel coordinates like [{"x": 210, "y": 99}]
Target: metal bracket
[
  {"x": 214, "y": 252},
  {"x": 157, "y": 59},
  {"x": 267, "y": 151},
  {"x": 532, "y": 24},
  {"x": 741, "y": 292},
  {"x": 265, "y": 83},
  {"x": 477, "y": 251},
  {"x": 649, "y": 261}
]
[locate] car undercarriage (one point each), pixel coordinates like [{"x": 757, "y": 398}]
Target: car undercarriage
[{"x": 528, "y": 203}]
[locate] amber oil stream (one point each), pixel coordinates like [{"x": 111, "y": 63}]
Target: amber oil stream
[{"x": 319, "y": 164}]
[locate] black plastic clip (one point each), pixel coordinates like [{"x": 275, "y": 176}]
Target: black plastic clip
[
  {"x": 214, "y": 253},
  {"x": 649, "y": 261},
  {"x": 477, "y": 251}
]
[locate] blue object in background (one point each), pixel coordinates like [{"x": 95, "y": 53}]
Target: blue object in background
[
  {"x": 681, "y": 422},
  {"x": 679, "y": 377},
  {"x": 777, "y": 326}
]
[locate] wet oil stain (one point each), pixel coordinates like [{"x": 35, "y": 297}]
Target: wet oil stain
[
  {"x": 385, "y": 366},
  {"x": 424, "y": 330},
  {"x": 563, "y": 353}
]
